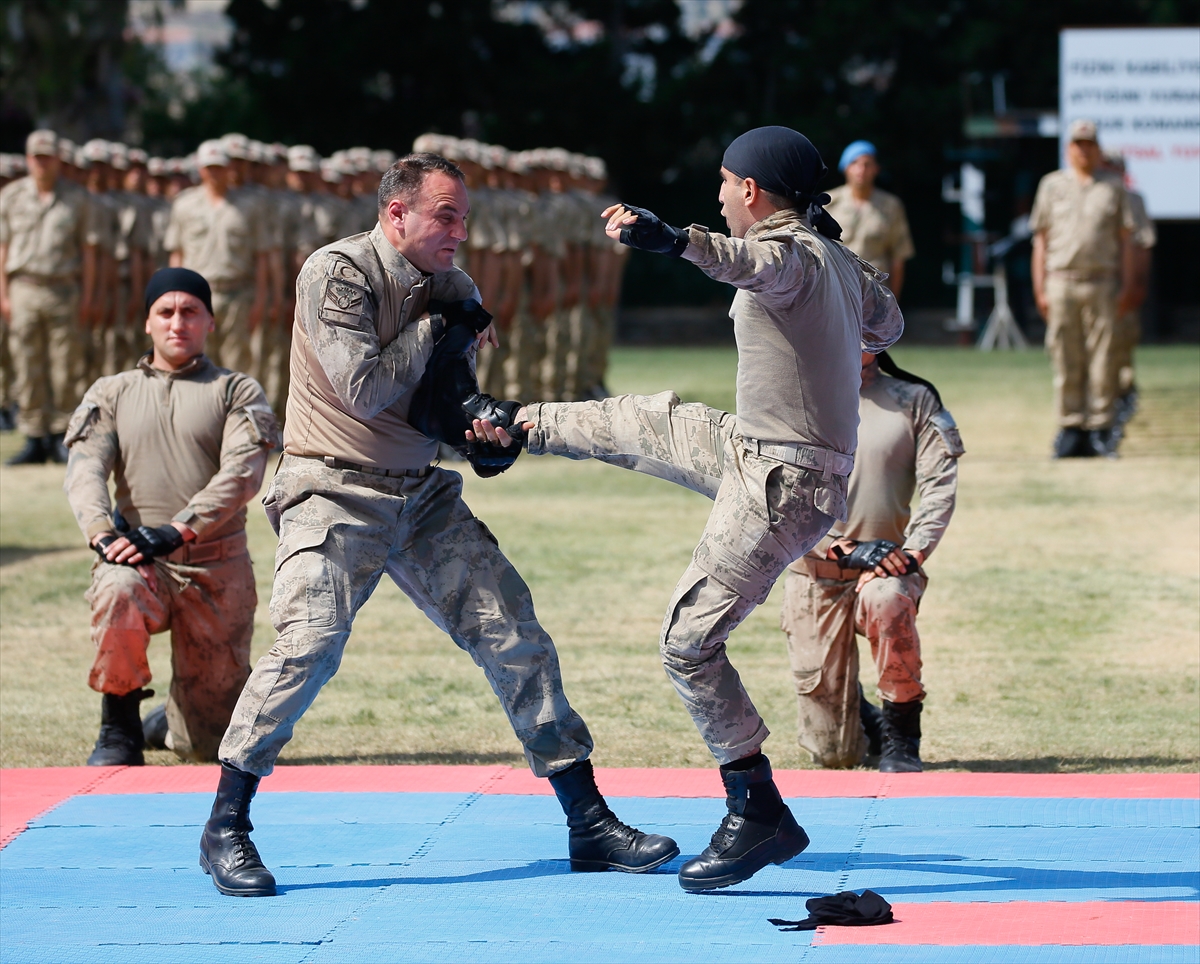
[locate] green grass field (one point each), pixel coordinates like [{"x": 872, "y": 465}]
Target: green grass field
[{"x": 1061, "y": 628}]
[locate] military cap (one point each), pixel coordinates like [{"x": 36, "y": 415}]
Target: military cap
[
  {"x": 557, "y": 159},
  {"x": 329, "y": 172},
  {"x": 97, "y": 151},
  {"x": 596, "y": 168},
  {"x": 7, "y": 168},
  {"x": 1115, "y": 159},
  {"x": 156, "y": 166},
  {"x": 66, "y": 150},
  {"x": 343, "y": 163},
  {"x": 279, "y": 151},
  {"x": 118, "y": 155},
  {"x": 1082, "y": 130},
  {"x": 577, "y": 165},
  {"x": 429, "y": 144},
  {"x": 236, "y": 146},
  {"x": 383, "y": 160},
  {"x": 41, "y": 142},
  {"x": 212, "y": 154},
  {"x": 18, "y": 163},
  {"x": 517, "y": 162},
  {"x": 494, "y": 156},
  {"x": 138, "y": 156},
  {"x": 361, "y": 158},
  {"x": 80, "y": 159},
  {"x": 302, "y": 157}
]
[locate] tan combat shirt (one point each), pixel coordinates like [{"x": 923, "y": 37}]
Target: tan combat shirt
[
  {"x": 1083, "y": 222},
  {"x": 805, "y": 311},
  {"x": 360, "y": 342},
  {"x": 906, "y": 443},
  {"x": 875, "y": 229},
  {"x": 1144, "y": 233},
  {"x": 158, "y": 215},
  {"x": 46, "y": 238},
  {"x": 189, "y": 446},
  {"x": 221, "y": 240}
]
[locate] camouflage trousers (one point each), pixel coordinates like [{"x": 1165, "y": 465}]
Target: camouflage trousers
[
  {"x": 209, "y": 609},
  {"x": 1079, "y": 337},
  {"x": 1125, "y": 341},
  {"x": 821, "y": 618},
  {"x": 595, "y": 365},
  {"x": 45, "y": 339},
  {"x": 339, "y": 532},
  {"x": 229, "y": 343},
  {"x": 557, "y": 327},
  {"x": 765, "y": 514}
]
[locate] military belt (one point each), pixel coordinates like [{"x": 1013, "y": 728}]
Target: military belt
[
  {"x": 1072, "y": 274},
  {"x": 197, "y": 553},
  {"x": 826, "y": 461},
  {"x": 333, "y": 463}
]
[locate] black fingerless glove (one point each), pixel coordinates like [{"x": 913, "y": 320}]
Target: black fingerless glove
[
  {"x": 648, "y": 233},
  {"x": 103, "y": 543},
  {"x": 866, "y": 555},
  {"x": 155, "y": 543},
  {"x": 469, "y": 312}
]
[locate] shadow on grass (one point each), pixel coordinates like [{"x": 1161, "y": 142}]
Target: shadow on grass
[
  {"x": 10, "y": 555},
  {"x": 1067, "y": 764},
  {"x": 446, "y": 758}
]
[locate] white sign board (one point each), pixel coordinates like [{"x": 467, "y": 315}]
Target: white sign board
[{"x": 1142, "y": 88}]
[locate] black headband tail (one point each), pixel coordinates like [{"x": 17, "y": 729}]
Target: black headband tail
[{"x": 886, "y": 364}]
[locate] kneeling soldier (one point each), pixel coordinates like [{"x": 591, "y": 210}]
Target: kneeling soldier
[
  {"x": 865, "y": 577},
  {"x": 188, "y": 444}
]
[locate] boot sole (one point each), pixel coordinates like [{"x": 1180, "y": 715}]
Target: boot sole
[
  {"x": 693, "y": 884},
  {"x": 229, "y": 891},
  {"x": 597, "y": 866}
]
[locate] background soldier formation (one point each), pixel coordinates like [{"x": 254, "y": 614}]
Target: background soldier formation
[{"x": 246, "y": 215}]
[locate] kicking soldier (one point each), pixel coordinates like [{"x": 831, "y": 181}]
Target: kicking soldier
[
  {"x": 777, "y": 471},
  {"x": 355, "y": 497}
]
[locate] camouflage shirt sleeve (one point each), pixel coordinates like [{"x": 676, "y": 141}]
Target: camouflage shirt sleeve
[
  {"x": 938, "y": 449},
  {"x": 768, "y": 266},
  {"x": 91, "y": 437},
  {"x": 337, "y": 310},
  {"x": 251, "y": 431},
  {"x": 882, "y": 324}
]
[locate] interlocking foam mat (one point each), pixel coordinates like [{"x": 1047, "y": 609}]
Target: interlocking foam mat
[{"x": 469, "y": 864}]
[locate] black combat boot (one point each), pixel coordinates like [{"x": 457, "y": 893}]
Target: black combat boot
[
  {"x": 1072, "y": 443},
  {"x": 872, "y": 721},
  {"x": 121, "y": 741},
  {"x": 33, "y": 453},
  {"x": 1103, "y": 442},
  {"x": 56, "y": 449},
  {"x": 598, "y": 840},
  {"x": 901, "y": 738},
  {"x": 154, "y": 727},
  {"x": 758, "y": 830},
  {"x": 227, "y": 853}
]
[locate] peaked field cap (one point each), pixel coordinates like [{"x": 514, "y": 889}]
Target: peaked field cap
[
  {"x": 236, "y": 145},
  {"x": 361, "y": 156},
  {"x": 156, "y": 166},
  {"x": 1082, "y": 130},
  {"x": 166, "y": 280},
  {"x": 66, "y": 149},
  {"x": 118, "y": 156},
  {"x": 382, "y": 160},
  {"x": 97, "y": 151},
  {"x": 44, "y": 142},
  {"x": 303, "y": 157},
  {"x": 430, "y": 144},
  {"x": 212, "y": 154},
  {"x": 853, "y": 151},
  {"x": 138, "y": 156}
]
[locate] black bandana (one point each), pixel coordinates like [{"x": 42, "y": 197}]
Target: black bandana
[
  {"x": 784, "y": 162},
  {"x": 177, "y": 279}
]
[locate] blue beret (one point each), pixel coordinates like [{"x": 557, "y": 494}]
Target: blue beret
[{"x": 857, "y": 149}]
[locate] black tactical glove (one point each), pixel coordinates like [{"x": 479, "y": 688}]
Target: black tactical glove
[
  {"x": 865, "y": 555},
  {"x": 103, "y": 543},
  {"x": 648, "y": 233},
  {"x": 487, "y": 458},
  {"x": 155, "y": 543},
  {"x": 469, "y": 312}
]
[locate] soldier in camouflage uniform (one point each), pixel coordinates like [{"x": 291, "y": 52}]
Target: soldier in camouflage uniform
[
  {"x": 866, "y": 577},
  {"x": 355, "y": 497},
  {"x": 776, "y": 471},
  {"x": 97, "y": 325},
  {"x": 50, "y": 240},
  {"x": 187, "y": 443}
]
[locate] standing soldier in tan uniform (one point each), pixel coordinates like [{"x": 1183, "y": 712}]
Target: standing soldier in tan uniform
[
  {"x": 777, "y": 470},
  {"x": 607, "y": 259},
  {"x": 131, "y": 239},
  {"x": 1129, "y": 325},
  {"x": 187, "y": 443},
  {"x": 48, "y": 257},
  {"x": 865, "y": 577},
  {"x": 96, "y": 326},
  {"x": 1081, "y": 223},
  {"x": 219, "y": 233},
  {"x": 158, "y": 213},
  {"x": 355, "y": 497},
  {"x": 874, "y": 225}
]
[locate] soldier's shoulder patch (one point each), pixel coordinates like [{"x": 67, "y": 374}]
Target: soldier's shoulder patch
[
  {"x": 341, "y": 269},
  {"x": 82, "y": 420},
  {"x": 944, "y": 424},
  {"x": 344, "y": 295}
]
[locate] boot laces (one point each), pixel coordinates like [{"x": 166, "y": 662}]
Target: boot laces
[
  {"x": 612, "y": 824},
  {"x": 726, "y": 833}
]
